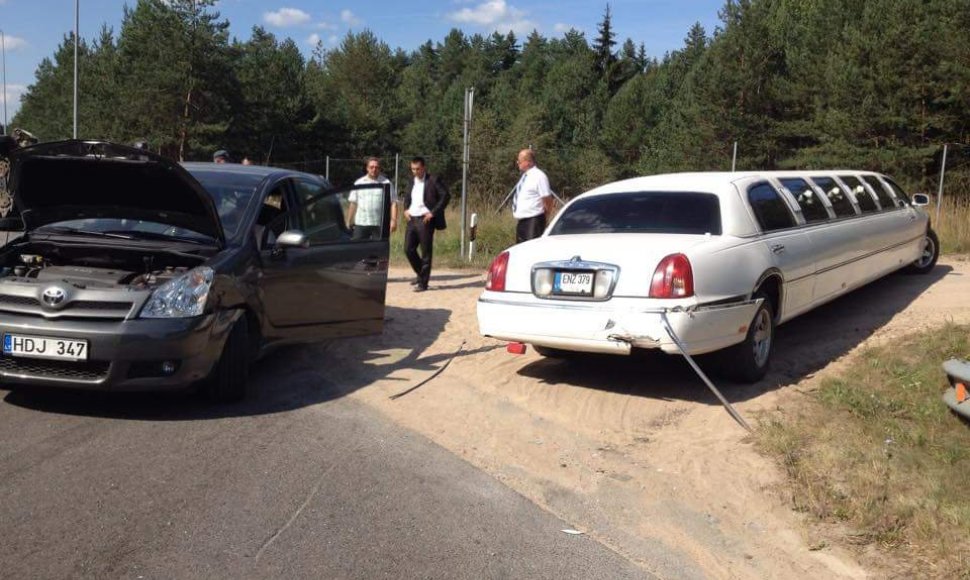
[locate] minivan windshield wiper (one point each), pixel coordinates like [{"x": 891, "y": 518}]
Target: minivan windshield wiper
[
  {"x": 141, "y": 234},
  {"x": 76, "y": 231}
]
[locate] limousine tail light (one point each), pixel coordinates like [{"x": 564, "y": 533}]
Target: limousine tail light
[
  {"x": 496, "y": 273},
  {"x": 673, "y": 278}
]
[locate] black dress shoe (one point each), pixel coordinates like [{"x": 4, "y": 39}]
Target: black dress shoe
[
  {"x": 416, "y": 282},
  {"x": 420, "y": 288}
]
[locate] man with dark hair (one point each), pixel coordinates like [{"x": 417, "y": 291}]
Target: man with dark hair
[
  {"x": 424, "y": 202},
  {"x": 532, "y": 202},
  {"x": 221, "y": 156}
]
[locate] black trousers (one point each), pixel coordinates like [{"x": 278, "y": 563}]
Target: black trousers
[
  {"x": 529, "y": 228},
  {"x": 419, "y": 235}
]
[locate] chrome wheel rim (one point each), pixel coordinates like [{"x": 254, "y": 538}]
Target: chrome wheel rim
[
  {"x": 761, "y": 339},
  {"x": 929, "y": 248}
]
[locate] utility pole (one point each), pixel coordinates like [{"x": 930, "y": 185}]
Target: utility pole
[
  {"x": 77, "y": 14},
  {"x": 939, "y": 195},
  {"x": 3, "y": 59},
  {"x": 469, "y": 99}
]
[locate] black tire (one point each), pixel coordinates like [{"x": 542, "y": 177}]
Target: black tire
[
  {"x": 748, "y": 361},
  {"x": 931, "y": 253},
  {"x": 229, "y": 378}
]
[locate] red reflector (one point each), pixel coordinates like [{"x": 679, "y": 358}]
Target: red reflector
[
  {"x": 961, "y": 392},
  {"x": 515, "y": 348}
]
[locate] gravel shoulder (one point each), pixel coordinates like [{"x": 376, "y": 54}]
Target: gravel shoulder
[{"x": 631, "y": 450}]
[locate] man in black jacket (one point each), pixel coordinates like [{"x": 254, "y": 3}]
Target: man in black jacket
[{"x": 424, "y": 210}]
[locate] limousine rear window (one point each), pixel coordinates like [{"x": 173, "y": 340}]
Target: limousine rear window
[
  {"x": 770, "y": 209},
  {"x": 862, "y": 197},
  {"x": 642, "y": 212},
  {"x": 885, "y": 200},
  {"x": 812, "y": 208},
  {"x": 837, "y": 197}
]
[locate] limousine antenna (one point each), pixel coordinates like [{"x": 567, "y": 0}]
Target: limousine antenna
[{"x": 680, "y": 346}]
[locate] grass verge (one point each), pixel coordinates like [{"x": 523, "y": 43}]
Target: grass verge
[
  {"x": 876, "y": 450},
  {"x": 495, "y": 233}
]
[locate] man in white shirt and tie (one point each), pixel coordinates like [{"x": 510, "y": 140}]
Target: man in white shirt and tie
[{"x": 532, "y": 202}]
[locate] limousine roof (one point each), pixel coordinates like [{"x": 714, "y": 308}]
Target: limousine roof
[
  {"x": 710, "y": 181},
  {"x": 736, "y": 217}
]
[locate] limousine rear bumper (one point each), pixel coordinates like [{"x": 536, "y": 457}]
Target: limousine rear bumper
[{"x": 613, "y": 327}]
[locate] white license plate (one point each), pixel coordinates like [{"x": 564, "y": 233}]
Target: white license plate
[
  {"x": 45, "y": 347},
  {"x": 580, "y": 283}
]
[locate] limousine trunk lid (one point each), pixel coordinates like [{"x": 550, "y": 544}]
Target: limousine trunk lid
[{"x": 642, "y": 253}]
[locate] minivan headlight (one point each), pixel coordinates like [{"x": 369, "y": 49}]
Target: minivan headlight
[{"x": 180, "y": 297}]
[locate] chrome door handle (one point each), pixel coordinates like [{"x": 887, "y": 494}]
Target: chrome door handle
[{"x": 777, "y": 249}]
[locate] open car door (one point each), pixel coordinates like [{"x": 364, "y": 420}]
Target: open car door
[{"x": 320, "y": 280}]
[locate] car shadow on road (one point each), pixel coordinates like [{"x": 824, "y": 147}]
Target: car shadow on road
[
  {"x": 288, "y": 378},
  {"x": 802, "y": 347}
]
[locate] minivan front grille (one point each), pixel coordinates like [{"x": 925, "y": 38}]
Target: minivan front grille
[
  {"x": 78, "y": 309},
  {"x": 89, "y": 371}
]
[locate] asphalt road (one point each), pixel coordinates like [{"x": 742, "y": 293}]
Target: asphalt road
[{"x": 296, "y": 482}]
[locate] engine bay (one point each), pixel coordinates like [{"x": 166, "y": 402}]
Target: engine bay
[{"x": 96, "y": 268}]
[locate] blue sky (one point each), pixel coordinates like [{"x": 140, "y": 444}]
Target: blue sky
[{"x": 34, "y": 28}]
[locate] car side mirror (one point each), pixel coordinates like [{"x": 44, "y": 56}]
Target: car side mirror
[
  {"x": 921, "y": 200},
  {"x": 292, "y": 239}
]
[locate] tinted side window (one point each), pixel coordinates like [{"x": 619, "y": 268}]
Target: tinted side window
[
  {"x": 769, "y": 208},
  {"x": 839, "y": 199},
  {"x": 885, "y": 200},
  {"x": 866, "y": 203},
  {"x": 901, "y": 197},
  {"x": 812, "y": 208},
  {"x": 322, "y": 220}
]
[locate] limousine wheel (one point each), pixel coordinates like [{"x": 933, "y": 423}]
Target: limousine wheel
[
  {"x": 228, "y": 382},
  {"x": 931, "y": 253},
  {"x": 747, "y": 362}
]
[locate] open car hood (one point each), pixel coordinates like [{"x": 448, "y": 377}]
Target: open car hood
[{"x": 67, "y": 180}]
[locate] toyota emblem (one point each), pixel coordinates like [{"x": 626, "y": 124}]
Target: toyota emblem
[{"x": 53, "y": 296}]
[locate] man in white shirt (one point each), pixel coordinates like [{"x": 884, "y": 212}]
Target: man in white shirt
[
  {"x": 532, "y": 202},
  {"x": 367, "y": 205}
]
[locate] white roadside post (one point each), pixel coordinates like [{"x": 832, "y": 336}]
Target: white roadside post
[{"x": 473, "y": 230}]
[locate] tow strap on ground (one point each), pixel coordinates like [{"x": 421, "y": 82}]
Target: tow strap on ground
[
  {"x": 730, "y": 409},
  {"x": 436, "y": 373}
]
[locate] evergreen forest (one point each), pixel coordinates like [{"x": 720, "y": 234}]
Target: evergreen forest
[{"x": 868, "y": 84}]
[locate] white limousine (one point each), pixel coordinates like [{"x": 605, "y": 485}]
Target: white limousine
[{"x": 712, "y": 261}]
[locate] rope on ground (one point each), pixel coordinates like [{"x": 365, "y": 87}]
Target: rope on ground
[
  {"x": 436, "y": 373},
  {"x": 730, "y": 409}
]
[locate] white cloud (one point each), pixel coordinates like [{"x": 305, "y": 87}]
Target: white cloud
[
  {"x": 325, "y": 26},
  {"x": 495, "y": 15},
  {"x": 348, "y": 18},
  {"x": 13, "y": 42},
  {"x": 333, "y": 40},
  {"x": 14, "y": 92},
  {"x": 313, "y": 39},
  {"x": 285, "y": 17},
  {"x": 561, "y": 27}
]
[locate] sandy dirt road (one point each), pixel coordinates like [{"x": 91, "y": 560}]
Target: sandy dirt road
[{"x": 632, "y": 450}]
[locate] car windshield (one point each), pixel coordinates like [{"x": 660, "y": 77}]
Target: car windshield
[
  {"x": 642, "y": 212},
  {"x": 231, "y": 192}
]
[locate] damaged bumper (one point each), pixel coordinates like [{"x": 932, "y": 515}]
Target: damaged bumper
[{"x": 613, "y": 327}]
